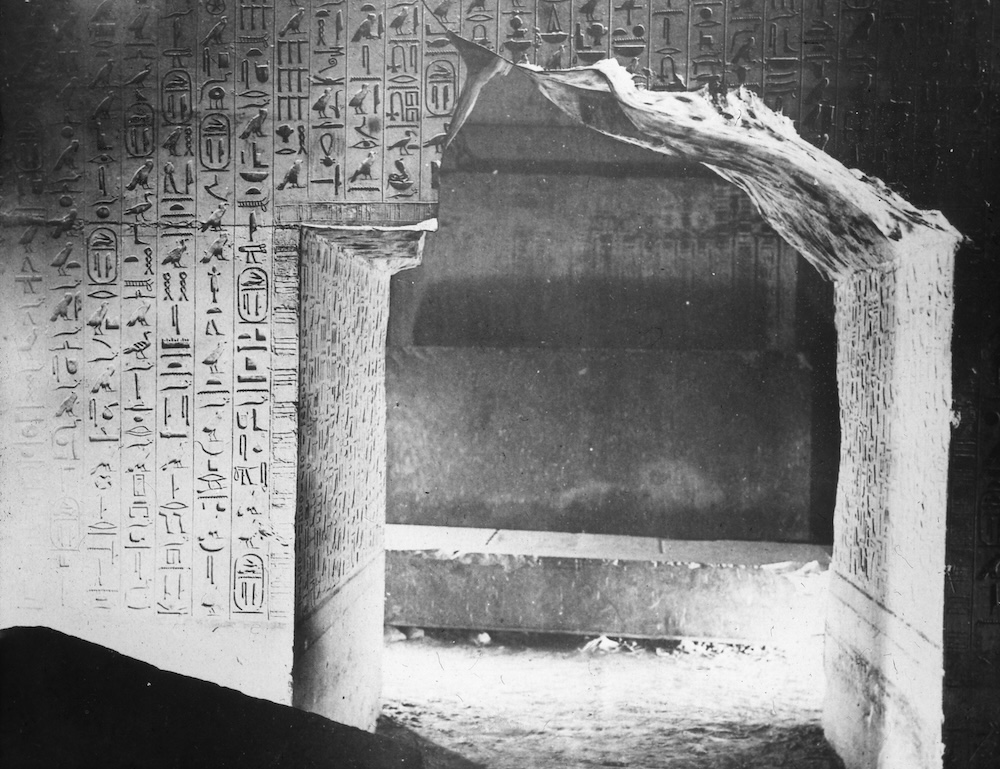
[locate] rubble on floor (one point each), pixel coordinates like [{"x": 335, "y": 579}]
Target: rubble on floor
[{"x": 528, "y": 701}]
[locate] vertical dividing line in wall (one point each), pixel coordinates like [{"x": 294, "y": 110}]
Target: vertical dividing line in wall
[
  {"x": 379, "y": 108},
  {"x": 197, "y": 511},
  {"x": 92, "y": 176},
  {"x": 268, "y": 362},
  {"x": 241, "y": 81},
  {"x": 161, "y": 133},
  {"x": 228, "y": 282},
  {"x": 244, "y": 234},
  {"x": 184, "y": 320},
  {"x": 116, "y": 458},
  {"x": 239, "y": 66},
  {"x": 142, "y": 560},
  {"x": 162, "y": 312},
  {"x": 149, "y": 553},
  {"x": 224, "y": 581},
  {"x": 118, "y": 473},
  {"x": 340, "y": 148},
  {"x": 349, "y": 161},
  {"x": 276, "y": 87},
  {"x": 306, "y": 147}
]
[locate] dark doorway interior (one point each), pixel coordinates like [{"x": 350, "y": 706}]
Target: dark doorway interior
[{"x": 615, "y": 346}]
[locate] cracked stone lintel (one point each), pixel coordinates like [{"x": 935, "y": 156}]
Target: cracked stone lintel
[{"x": 841, "y": 220}]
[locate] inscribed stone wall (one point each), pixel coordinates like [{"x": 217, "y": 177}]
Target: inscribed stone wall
[
  {"x": 345, "y": 309},
  {"x": 150, "y": 357},
  {"x": 591, "y": 261}
]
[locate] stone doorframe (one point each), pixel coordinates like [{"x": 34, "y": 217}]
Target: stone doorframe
[
  {"x": 344, "y": 274},
  {"x": 884, "y": 659},
  {"x": 884, "y": 634}
]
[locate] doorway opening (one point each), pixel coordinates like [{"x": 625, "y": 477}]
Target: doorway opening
[
  {"x": 605, "y": 378},
  {"x": 893, "y": 318}
]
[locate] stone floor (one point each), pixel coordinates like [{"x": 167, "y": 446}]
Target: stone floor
[{"x": 521, "y": 702}]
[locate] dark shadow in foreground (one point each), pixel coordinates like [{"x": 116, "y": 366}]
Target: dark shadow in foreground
[{"x": 68, "y": 703}]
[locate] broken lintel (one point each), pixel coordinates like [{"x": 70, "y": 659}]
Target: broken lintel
[{"x": 840, "y": 219}]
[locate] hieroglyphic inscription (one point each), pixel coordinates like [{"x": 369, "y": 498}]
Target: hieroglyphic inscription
[
  {"x": 145, "y": 260},
  {"x": 865, "y": 328},
  {"x": 271, "y": 49},
  {"x": 345, "y": 308},
  {"x": 350, "y": 102},
  {"x": 176, "y": 351},
  {"x": 93, "y": 581}
]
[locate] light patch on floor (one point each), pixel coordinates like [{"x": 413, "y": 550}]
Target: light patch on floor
[{"x": 520, "y": 703}]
